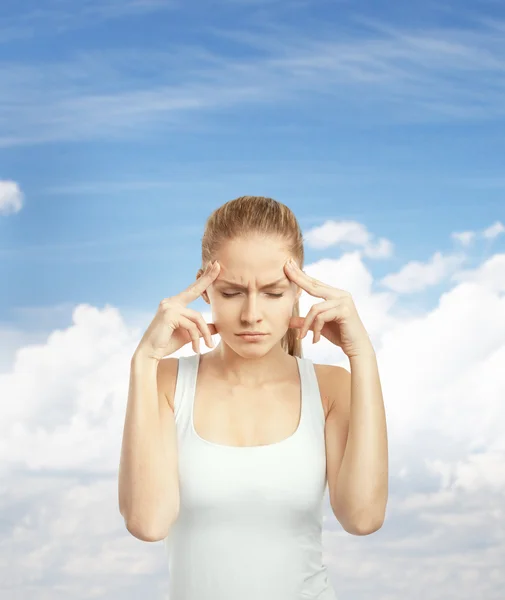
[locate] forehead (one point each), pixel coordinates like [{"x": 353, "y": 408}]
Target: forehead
[
  {"x": 261, "y": 245},
  {"x": 252, "y": 270},
  {"x": 253, "y": 252},
  {"x": 252, "y": 262},
  {"x": 249, "y": 277}
]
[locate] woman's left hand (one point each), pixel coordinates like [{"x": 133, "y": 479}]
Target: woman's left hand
[{"x": 336, "y": 319}]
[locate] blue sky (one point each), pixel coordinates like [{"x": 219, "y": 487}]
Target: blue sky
[
  {"x": 139, "y": 118},
  {"x": 124, "y": 124}
]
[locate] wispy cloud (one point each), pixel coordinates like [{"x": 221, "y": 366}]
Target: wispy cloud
[
  {"x": 440, "y": 74},
  {"x": 109, "y": 248},
  {"x": 57, "y": 16}
]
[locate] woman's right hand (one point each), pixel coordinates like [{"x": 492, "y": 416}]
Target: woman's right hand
[{"x": 175, "y": 325}]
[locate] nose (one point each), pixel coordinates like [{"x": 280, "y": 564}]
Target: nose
[{"x": 250, "y": 311}]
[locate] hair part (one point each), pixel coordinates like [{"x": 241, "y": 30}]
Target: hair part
[{"x": 256, "y": 215}]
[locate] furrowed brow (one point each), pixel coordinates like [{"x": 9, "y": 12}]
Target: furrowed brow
[{"x": 243, "y": 287}]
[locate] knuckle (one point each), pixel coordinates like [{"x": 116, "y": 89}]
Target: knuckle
[
  {"x": 165, "y": 309},
  {"x": 169, "y": 312},
  {"x": 167, "y": 302}
]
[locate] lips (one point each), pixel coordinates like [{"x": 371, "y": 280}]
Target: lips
[{"x": 251, "y": 334}]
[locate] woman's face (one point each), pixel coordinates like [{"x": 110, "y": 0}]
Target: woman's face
[{"x": 240, "y": 299}]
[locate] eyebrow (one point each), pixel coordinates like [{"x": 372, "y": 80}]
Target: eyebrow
[{"x": 243, "y": 287}]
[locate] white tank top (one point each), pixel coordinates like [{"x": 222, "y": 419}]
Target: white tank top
[{"x": 250, "y": 519}]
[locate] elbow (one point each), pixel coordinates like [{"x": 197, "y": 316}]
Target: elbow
[
  {"x": 365, "y": 528},
  {"x": 364, "y": 525},
  {"x": 145, "y": 535},
  {"x": 148, "y": 534}
]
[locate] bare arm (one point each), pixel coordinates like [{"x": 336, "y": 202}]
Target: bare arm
[{"x": 148, "y": 483}]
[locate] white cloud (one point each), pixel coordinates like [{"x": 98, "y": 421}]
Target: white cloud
[
  {"x": 443, "y": 382},
  {"x": 490, "y": 275},
  {"x": 332, "y": 233},
  {"x": 11, "y": 197},
  {"x": 345, "y": 233},
  {"x": 494, "y": 230},
  {"x": 417, "y": 276},
  {"x": 382, "y": 249},
  {"x": 465, "y": 238}
]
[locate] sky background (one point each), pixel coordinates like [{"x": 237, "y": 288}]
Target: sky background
[{"x": 123, "y": 125}]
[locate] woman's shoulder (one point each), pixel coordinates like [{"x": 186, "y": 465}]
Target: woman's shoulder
[{"x": 327, "y": 379}]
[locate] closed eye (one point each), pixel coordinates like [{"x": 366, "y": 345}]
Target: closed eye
[{"x": 232, "y": 295}]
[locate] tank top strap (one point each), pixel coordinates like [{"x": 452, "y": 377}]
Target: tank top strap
[{"x": 186, "y": 386}]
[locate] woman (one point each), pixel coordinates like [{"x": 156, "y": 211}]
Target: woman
[{"x": 226, "y": 455}]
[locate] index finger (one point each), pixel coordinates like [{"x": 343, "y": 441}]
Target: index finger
[
  {"x": 311, "y": 285},
  {"x": 196, "y": 289}
]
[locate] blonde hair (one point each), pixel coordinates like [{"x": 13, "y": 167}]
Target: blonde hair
[{"x": 256, "y": 215}]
